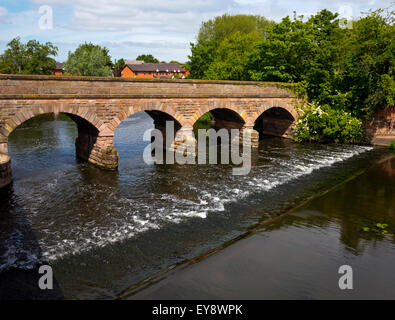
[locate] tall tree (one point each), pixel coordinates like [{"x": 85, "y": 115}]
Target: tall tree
[
  {"x": 30, "y": 58},
  {"x": 147, "y": 58},
  {"x": 366, "y": 76},
  {"x": 89, "y": 60},
  {"x": 120, "y": 65},
  {"x": 214, "y": 31},
  {"x": 232, "y": 57},
  {"x": 349, "y": 69}
]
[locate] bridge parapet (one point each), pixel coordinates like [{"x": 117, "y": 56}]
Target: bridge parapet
[{"x": 45, "y": 87}]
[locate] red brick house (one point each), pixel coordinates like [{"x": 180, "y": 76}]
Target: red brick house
[
  {"x": 59, "y": 69},
  {"x": 154, "y": 70}
]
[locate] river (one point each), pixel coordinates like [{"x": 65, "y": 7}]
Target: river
[{"x": 105, "y": 232}]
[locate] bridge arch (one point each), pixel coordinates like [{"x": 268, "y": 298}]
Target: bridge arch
[
  {"x": 157, "y": 110},
  {"x": 263, "y": 106},
  {"x": 90, "y": 144},
  {"x": 84, "y": 115},
  {"x": 222, "y": 110},
  {"x": 160, "y": 119},
  {"x": 276, "y": 121}
]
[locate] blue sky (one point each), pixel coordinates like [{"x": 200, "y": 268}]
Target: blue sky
[{"x": 128, "y": 28}]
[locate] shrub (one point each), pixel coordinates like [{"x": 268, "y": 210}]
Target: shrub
[
  {"x": 392, "y": 145},
  {"x": 324, "y": 124}
]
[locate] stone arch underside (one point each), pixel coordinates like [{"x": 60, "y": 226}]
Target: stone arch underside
[
  {"x": 85, "y": 119},
  {"x": 262, "y": 117},
  {"x": 275, "y": 121}
]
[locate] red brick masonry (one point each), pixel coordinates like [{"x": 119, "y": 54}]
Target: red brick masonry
[{"x": 381, "y": 129}]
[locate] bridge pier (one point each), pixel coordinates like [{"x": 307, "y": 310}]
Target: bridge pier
[
  {"x": 160, "y": 125},
  {"x": 94, "y": 146},
  {"x": 253, "y": 134},
  {"x": 185, "y": 142},
  {"x": 5, "y": 170},
  {"x": 97, "y": 150},
  {"x": 5, "y": 163}
]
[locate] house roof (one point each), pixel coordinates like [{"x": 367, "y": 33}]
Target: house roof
[
  {"x": 59, "y": 65},
  {"x": 156, "y": 67},
  {"x": 134, "y": 61}
]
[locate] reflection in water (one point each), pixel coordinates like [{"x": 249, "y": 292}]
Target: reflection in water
[
  {"x": 298, "y": 255},
  {"x": 142, "y": 219}
]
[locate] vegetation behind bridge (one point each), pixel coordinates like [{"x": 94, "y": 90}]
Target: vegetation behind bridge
[{"x": 348, "y": 73}]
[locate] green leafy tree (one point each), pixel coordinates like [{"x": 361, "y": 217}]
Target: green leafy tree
[
  {"x": 296, "y": 51},
  {"x": 147, "y": 58},
  {"x": 89, "y": 60},
  {"x": 120, "y": 65},
  {"x": 214, "y": 31},
  {"x": 348, "y": 69},
  {"x": 366, "y": 67},
  {"x": 30, "y": 58},
  {"x": 232, "y": 57}
]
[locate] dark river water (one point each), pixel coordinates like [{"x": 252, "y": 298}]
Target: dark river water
[{"x": 103, "y": 232}]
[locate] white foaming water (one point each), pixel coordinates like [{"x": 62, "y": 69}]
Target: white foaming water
[{"x": 114, "y": 217}]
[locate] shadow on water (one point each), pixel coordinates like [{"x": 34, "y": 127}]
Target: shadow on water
[
  {"x": 296, "y": 255},
  {"x": 20, "y": 280}
]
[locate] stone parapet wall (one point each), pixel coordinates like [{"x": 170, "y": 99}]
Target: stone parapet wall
[
  {"x": 21, "y": 86},
  {"x": 381, "y": 129}
]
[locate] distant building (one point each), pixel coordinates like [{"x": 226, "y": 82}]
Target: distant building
[
  {"x": 59, "y": 69},
  {"x": 153, "y": 70},
  {"x": 134, "y": 62}
]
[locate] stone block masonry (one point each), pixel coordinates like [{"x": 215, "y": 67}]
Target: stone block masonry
[
  {"x": 99, "y": 105},
  {"x": 5, "y": 170}
]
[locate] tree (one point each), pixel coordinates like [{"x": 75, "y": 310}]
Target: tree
[
  {"x": 232, "y": 57},
  {"x": 296, "y": 51},
  {"x": 30, "y": 58},
  {"x": 214, "y": 31},
  {"x": 147, "y": 58},
  {"x": 347, "y": 69},
  {"x": 89, "y": 60},
  {"x": 120, "y": 65},
  {"x": 366, "y": 68}
]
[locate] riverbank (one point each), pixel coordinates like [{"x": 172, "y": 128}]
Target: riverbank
[{"x": 297, "y": 255}]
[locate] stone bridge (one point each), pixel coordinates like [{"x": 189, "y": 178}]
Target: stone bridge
[{"x": 99, "y": 105}]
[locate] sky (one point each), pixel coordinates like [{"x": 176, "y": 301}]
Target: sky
[{"x": 128, "y": 28}]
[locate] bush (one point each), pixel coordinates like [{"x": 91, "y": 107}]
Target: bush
[
  {"x": 392, "y": 145},
  {"x": 323, "y": 124}
]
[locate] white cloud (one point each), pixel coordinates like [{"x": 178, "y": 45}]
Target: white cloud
[
  {"x": 161, "y": 27},
  {"x": 160, "y": 15},
  {"x": 3, "y": 14}
]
